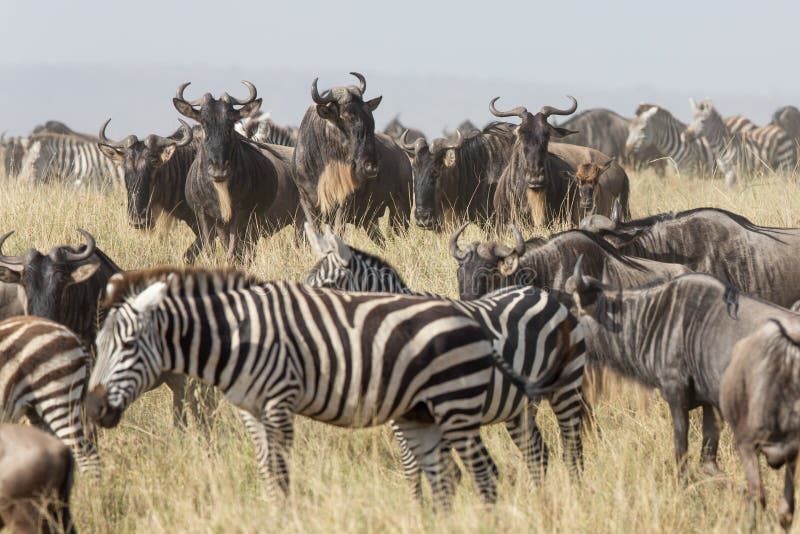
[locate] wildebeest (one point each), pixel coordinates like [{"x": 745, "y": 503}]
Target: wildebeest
[
  {"x": 154, "y": 171},
  {"x": 676, "y": 336},
  {"x": 546, "y": 264},
  {"x": 535, "y": 181},
  {"x": 395, "y": 130},
  {"x": 12, "y": 300},
  {"x": 457, "y": 179},
  {"x": 759, "y": 399},
  {"x": 231, "y": 184},
  {"x": 346, "y": 172},
  {"x": 757, "y": 260},
  {"x": 66, "y": 286},
  {"x": 465, "y": 127},
  {"x": 598, "y": 192},
  {"x": 788, "y": 118},
  {"x": 36, "y": 475}
]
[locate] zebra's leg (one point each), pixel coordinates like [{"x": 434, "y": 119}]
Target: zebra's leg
[
  {"x": 272, "y": 436},
  {"x": 528, "y": 438},
  {"x": 65, "y": 422},
  {"x": 708, "y": 455},
  {"x": 426, "y": 443},
  {"x": 411, "y": 469},
  {"x": 568, "y": 406}
]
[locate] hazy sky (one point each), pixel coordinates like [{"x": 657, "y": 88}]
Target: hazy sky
[{"x": 734, "y": 49}]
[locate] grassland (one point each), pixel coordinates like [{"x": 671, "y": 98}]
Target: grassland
[{"x": 158, "y": 479}]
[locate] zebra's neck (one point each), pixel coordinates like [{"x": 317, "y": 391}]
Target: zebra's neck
[{"x": 669, "y": 138}]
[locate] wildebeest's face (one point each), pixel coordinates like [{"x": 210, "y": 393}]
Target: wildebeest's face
[
  {"x": 587, "y": 175},
  {"x": 528, "y": 160},
  {"x": 345, "y": 108},
  {"x": 430, "y": 166},
  {"x": 139, "y": 161},
  {"x": 45, "y": 278},
  {"x": 218, "y": 118}
]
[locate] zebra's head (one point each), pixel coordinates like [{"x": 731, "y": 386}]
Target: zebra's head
[
  {"x": 705, "y": 121},
  {"x": 349, "y": 269},
  {"x": 641, "y": 129},
  {"x": 128, "y": 353}
]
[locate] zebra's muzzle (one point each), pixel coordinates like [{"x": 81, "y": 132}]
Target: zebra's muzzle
[{"x": 99, "y": 409}]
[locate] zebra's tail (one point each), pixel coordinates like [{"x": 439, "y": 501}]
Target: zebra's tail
[{"x": 546, "y": 384}]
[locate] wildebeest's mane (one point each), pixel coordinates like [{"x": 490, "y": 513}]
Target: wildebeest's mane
[
  {"x": 132, "y": 282},
  {"x": 603, "y": 244},
  {"x": 500, "y": 128},
  {"x": 633, "y": 229}
]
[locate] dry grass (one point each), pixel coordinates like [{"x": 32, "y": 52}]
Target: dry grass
[{"x": 157, "y": 479}]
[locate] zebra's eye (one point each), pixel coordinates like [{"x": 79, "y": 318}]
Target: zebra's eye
[{"x": 128, "y": 343}]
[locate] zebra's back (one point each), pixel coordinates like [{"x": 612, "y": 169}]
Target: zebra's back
[{"x": 53, "y": 157}]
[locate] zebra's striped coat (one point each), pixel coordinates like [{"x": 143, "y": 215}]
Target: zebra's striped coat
[
  {"x": 56, "y": 157},
  {"x": 531, "y": 330},
  {"x": 43, "y": 372},
  {"x": 278, "y": 349}
]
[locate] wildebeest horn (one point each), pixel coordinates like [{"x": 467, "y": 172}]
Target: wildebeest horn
[
  {"x": 519, "y": 241},
  {"x": 550, "y": 110},
  {"x": 403, "y": 143},
  {"x": 105, "y": 140},
  {"x": 518, "y": 111},
  {"x": 179, "y": 95},
  {"x": 253, "y": 95},
  {"x": 12, "y": 262},
  {"x": 90, "y": 246},
  {"x": 456, "y": 252},
  {"x": 326, "y": 97},
  {"x": 362, "y": 82},
  {"x": 442, "y": 144},
  {"x": 580, "y": 282}
]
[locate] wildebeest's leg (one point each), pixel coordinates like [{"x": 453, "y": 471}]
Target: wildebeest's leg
[
  {"x": 786, "y": 506},
  {"x": 708, "y": 456},
  {"x": 177, "y": 384},
  {"x": 679, "y": 409},
  {"x": 196, "y": 247},
  {"x": 374, "y": 231},
  {"x": 528, "y": 438},
  {"x": 206, "y": 238},
  {"x": 755, "y": 489}
]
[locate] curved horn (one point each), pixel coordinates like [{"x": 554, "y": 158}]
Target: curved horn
[
  {"x": 187, "y": 135},
  {"x": 519, "y": 241},
  {"x": 441, "y": 144},
  {"x": 90, "y": 247},
  {"x": 456, "y": 252},
  {"x": 8, "y": 260},
  {"x": 102, "y": 135},
  {"x": 179, "y": 95},
  {"x": 326, "y": 97},
  {"x": 362, "y": 82},
  {"x": 518, "y": 111},
  {"x": 550, "y": 110},
  {"x": 402, "y": 142},
  {"x": 253, "y": 95},
  {"x": 580, "y": 282}
]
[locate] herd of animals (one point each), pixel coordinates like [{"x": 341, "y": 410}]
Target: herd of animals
[{"x": 697, "y": 304}]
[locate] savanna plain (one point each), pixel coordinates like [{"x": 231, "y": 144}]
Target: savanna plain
[{"x": 159, "y": 479}]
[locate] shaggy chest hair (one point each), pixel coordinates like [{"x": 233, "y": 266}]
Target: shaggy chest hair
[{"x": 336, "y": 183}]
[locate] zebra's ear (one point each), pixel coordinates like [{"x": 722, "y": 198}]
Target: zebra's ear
[
  {"x": 150, "y": 298},
  {"x": 338, "y": 246},
  {"x": 317, "y": 241}
]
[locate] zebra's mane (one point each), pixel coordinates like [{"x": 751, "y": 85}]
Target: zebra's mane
[{"x": 129, "y": 283}]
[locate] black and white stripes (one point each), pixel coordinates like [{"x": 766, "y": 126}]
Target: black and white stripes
[
  {"x": 279, "y": 349},
  {"x": 43, "y": 372},
  {"x": 56, "y": 157}
]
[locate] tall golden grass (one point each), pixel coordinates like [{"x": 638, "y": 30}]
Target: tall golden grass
[{"x": 158, "y": 479}]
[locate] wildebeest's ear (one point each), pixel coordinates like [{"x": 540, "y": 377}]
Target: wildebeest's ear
[
  {"x": 83, "y": 272},
  {"x": 9, "y": 277},
  {"x": 450, "y": 157},
  {"x": 329, "y": 112},
  {"x": 167, "y": 153},
  {"x": 111, "y": 152},
  {"x": 186, "y": 109},
  {"x": 250, "y": 109},
  {"x": 372, "y": 105},
  {"x": 606, "y": 166},
  {"x": 151, "y": 297},
  {"x": 509, "y": 264},
  {"x": 555, "y": 131}
]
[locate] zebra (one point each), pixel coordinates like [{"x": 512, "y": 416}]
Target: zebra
[
  {"x": 739, "y": 123},
  {"x": 276, "y": 349},
  {"x": 263, "y": 129},
  {"x": 532, "y": 330},
  {"x": 43, "y": 372},
  {"x": 54, "y": 157},
  {"x": 655, "y": 126},
  {"x": 746, "y": 151}
]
